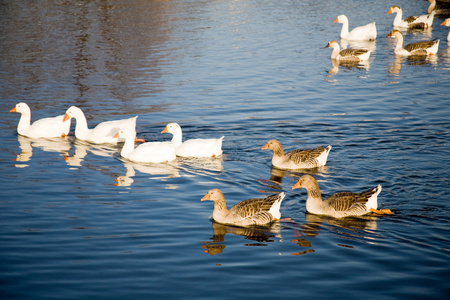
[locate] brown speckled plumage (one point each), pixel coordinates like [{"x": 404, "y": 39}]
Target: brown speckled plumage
[
  {"x": 258, "y": 211},
  {"x": 297, "y": 159},
  {"x": 338, "y": 205}
]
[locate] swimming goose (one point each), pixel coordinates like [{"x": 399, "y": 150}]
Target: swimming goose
[
  {"x": 347, "y": 55},
  {"x": 361, "y": 33},
  {"x": 103, "y": 132},
  {"x": 42, "y": 128},
  {"x": 447, "y": 23},
  {"x": 193, "y": 147},
  {"x": 413, "y": 22},
  {"x": 342, "y": 204},
  {"x": 419, "y": 48},
  {"x": 258, "y": 211},
  {"x": 150, "y": 152},
  {"x": 297, "y": 159}
]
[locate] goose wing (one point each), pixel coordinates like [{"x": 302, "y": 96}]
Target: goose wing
[
  {"x": 352, "y": 52},
  {"x": 419, "y": 46},
  {"x": 301, "y": 156},
  {"x": 349, "y": 201}
]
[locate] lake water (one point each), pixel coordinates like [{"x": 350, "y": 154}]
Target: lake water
[{"x": 77, "y": 221}]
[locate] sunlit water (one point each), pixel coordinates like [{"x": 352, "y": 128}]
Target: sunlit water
[{"x": 77, "y": 221}]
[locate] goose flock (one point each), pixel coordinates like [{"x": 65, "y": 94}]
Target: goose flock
[
  {"x": 257, "y": 211},
  {"x": 369, "y": 33}
]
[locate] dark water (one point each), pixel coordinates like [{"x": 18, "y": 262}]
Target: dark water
[{"x": 249, "y": 70}]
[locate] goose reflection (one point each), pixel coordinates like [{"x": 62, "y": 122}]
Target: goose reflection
[
  {"x": 364, "y": 65},
  {"x": 369, "y": 45},
  {"x": 261, "y": 235},
  {"x": 414, "y": 60},
  {"x": 83, "y": 148},
  {"x": 26, "y": 144},
  {"x": 277, "y": 175},
  {"x": 158, "y": 170}
]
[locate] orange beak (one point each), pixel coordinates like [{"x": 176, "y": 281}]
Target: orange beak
[
  {"x": 390, "y": 11},
  {"x": 337, "y": 19},
  {"x": 296, "y": 186},
  {"x": 116, "y": 136},
  {"x": 14, "y": 109},
  {"x": 164, "y": 130},
  {"x": 443, "y": 23},
  {"x": 266, "y": 146},
  {"x": 66, "y": 117},
  {"x": 206, "y": 197}
]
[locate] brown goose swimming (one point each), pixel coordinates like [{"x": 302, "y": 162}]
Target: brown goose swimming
[
  {"x": 413, "y": 22},
  {"x": 419, "y": 48},
  {"x": 258, "y": 211},
  {"x": 342, "y": 204},
  {"x": 297, "y": 159},
  {"x": 347, "y": 55}
]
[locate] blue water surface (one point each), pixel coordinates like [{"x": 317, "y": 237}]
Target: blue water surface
[{"x": 79, "y": 222}]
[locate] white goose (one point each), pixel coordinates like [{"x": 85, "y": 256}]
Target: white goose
[
  {"x": 361, "y": 33},
  {"x": 193, "y": 147},
  {"x": 297, "y": 159},
  {"x": 423, "y": 21},
  {"x": 103, "y": 132},
  {"x": 260, "y": 211},
  {"x": 419, "y": 48},
  {"x": 447, "y": 23},
  {"x": 42, "y": 128},
  {"x": 151, "y": 152},
  {"x": 342, "y": 204},
  {"x": 347, "y": 55}
]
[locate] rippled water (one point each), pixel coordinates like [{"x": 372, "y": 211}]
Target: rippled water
[{"x": 76, "y": 221}]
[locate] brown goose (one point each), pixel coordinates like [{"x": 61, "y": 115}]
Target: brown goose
[
  {"x": 347, "y": 55},
  {"x": 419, "y": 48},
  {"x": 342, "y": 204},
  {"x": 258, "y": 211},
  {"x": 414, "y": 22},
  {"x": 297, "y": 159}
]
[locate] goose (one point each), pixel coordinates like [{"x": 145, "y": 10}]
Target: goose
[
  {"x": 361, "y": 33},
  {"x": 447, "y": 23},
  {"x": 297, "y": 159},
  {"x": 342, "y": 204},
  {"x": 347, "y": 55},
  {"x": 193, "y": 147},
  {"x": 150, "y": 152},
  {"x": 42, "y": 128},
  {"x": 413, "y": 22},
  {"x": 419, "y": 48},
  {"x": 103, "y": 132},
  {"x": 257, "y": 211}
]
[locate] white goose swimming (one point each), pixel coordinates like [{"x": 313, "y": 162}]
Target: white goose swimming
[
  {"x": 447, "y": 23},
  {"x": 193, "y": 147},
  {"x": 297, "y": 159},
  {"x": 419, "y": 48},
  {"x": 103, "y": 132},
  {"x": 258, "y": 211},
  {"x": 342, "y": 204},
  {"x": 42, "y": 128},
  {"x": 423, "y": 21},
  {"x": 150, "y": 152},
  {"x": 361, "y": 33},
  {"x": 347, "y": 55}
]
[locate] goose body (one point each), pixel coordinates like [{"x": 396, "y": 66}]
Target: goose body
[
  {"x": 447, "y": 23},
  {"x": 103, "y": 132},
  {"x": 347, "y": 55},
  {"x": 339, "y": 205},
  {"x": 150, "y": 152},
  {"x": 297, "y": 159},
  {"x": 42, "y": 128},
  {"x": 361, "y": 33},
  {"x": 258, "y": 211},
  {"x": 419, "y": 48},
  {"x": 193, "y": 147},
  {"x": 423, "y": 21}
]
